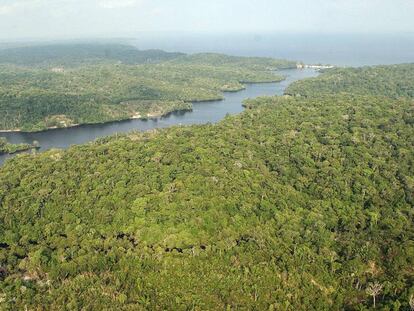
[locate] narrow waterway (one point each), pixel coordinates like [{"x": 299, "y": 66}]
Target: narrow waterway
[{"x": 203, "y": 112}]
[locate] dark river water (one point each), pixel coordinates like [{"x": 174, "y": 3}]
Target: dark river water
[{"x": 203, "y": 112}]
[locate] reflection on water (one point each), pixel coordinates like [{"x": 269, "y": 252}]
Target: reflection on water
[{"x": 203, "y": 112}]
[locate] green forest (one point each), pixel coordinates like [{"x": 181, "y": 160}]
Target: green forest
[
  {"x": 99, "y": 85},
  {"x": 391, "y": 81},
  {"x": 298, "y": 203},
  {"x": 8, "y": 148},
  {"x": 78, "y": 54}
]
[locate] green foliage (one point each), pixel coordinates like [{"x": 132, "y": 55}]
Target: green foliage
[
  {"x": 6, "y": 147},
  {"x": 256, "y": 63},
  {"x": 80, "y": 54},
  {"x": 391, "y": 81},
  {"x": 37, "y": 98},
  {"x": 297, "y": 203}
]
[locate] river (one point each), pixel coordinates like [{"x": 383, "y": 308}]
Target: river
[{"x": 203, "y": 112}]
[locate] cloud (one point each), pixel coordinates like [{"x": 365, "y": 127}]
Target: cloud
[
  {"x": 12, "y": 6},
  {"x": 37, "y": 18},
  {"x": 115, "y": 4},
  {"x": 8, "y": 7}
]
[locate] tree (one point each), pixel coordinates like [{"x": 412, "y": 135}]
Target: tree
[{"x": 373, "y": 290}]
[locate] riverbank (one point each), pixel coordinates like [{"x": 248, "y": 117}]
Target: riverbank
[
  {"x": 201, "y": 113},
  {"x": 135, "y": 117},
  {"x": 156, "y": 115},
  {"x": 9, "y": 148},
  {"x": 183, "y": 107},
  {"x": 92, "y": 93}
]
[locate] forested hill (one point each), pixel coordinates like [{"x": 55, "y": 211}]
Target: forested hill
[
  {"x": 214, "y": 59},
  {"x": 392, "y": 81},
  {"x": 80, "y": 54},
  {"x": 75, "y": 55},
  {"x": 109, "y": 82},
  {"x": 296, "y": 204}
]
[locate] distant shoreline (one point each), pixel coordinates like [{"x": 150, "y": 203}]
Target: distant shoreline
[{"x": 317, "y": 67}]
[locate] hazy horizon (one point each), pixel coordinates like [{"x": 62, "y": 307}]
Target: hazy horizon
[
  {"x": 71, "y": 19},
  {"x": 341, "y": 32},
  {"x": 336, "y": 49}
]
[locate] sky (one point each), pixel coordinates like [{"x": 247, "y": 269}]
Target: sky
[{"x": 22, "y": 19}]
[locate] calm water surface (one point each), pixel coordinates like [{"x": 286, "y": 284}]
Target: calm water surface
[
  {"x": 335, "y": 49},
  {"x": 203, "y": 112}
]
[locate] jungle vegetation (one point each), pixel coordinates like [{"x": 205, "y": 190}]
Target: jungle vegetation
[
  {"x": 298, "y": 203},
  {"x": 63, "y": 93},
  {"x": 8, "y": 148},
  {"x": 392, "y": 81},
  {"x": 74, "y": 55}
]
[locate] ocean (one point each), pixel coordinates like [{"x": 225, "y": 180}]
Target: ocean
[{"x": 335, "y": 49}]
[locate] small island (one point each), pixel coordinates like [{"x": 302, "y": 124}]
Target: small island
[{"x": 8, "y": 148}]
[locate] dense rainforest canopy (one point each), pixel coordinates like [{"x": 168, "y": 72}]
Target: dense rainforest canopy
[
  {"x": 100, "y": 83},
  {"x": 391, "y": 81},
  {"x": 73, "y": 55},
  {"x": 8, "y": 148},
  {"x": 299, "y": 203}
]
